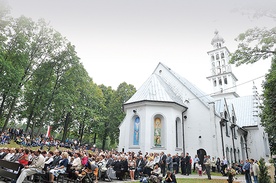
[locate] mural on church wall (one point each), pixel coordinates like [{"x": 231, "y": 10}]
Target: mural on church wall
[
  {"x": 157, "y": 132},
  {"x": 136, "y": 131}
]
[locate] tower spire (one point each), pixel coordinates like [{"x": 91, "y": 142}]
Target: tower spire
[{"x": 222, "y": 79}]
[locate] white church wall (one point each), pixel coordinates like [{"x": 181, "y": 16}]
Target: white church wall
[
  {"x": 147, "y": 113},
  {"x": 257, "y": 144}
]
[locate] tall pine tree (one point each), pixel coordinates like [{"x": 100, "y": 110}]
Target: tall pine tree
[{"x": 263, "y": 176}]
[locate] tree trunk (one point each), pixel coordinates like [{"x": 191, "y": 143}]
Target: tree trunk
[
  {"x": 104, "y": 136},
  {"x": 66, "y": 124},
  {"x": 81, "y": 131},
  {"x": 2, "y": 105},
  {"x": 9, "y": 114},
  {"x": 29, "y": 120},
  {"x": 95, "y": 138}
]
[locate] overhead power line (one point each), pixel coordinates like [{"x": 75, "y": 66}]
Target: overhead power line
[{"x": 228, "y": 88}]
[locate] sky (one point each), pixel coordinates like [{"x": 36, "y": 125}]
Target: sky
[{"x": 124, "y": 40}]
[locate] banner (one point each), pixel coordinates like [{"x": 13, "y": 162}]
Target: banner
[{"x": 48, "y": 132}]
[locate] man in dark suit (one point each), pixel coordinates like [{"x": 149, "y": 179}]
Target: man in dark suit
[
  {"x": 140, "y": 164},
  {"x": 162, "y": 163}
]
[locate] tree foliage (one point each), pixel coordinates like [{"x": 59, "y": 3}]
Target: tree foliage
[
  {"x": 263, "y": 176},
  {"x": 254, "y": 45},
  {"x": 44, "y": 83}
]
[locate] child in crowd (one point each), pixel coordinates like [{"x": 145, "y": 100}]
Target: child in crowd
[{"x": 199, "y": 170}]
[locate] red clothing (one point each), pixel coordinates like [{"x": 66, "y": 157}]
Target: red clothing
[
  {"x": 84, "y": 160},
  {"x": 23, "y": 160}
]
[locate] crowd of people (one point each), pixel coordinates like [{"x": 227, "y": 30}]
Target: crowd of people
[
  {"x": 24, "y": 139},
  {"x": 78, "y": 161}
]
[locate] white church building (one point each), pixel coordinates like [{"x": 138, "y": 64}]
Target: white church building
[{"x": 170, "y": 114}]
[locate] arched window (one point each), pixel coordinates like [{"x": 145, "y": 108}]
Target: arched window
[
  {"x": 215, "y": 82},
  {"x": 217, "y": 56},
  {"x": 219, "y": 71},
  {"x": 225, "y": 80},
  {"x": 157, "y": 132},
  {"x": 212, "y": 57},
  {"x": 178, "y": 133},
  {"x": 238, "y": 155},
  {"x": 213, "y": 65},
  {"x": 227, "y": 154},
  {"x": 136, "y": 133},
  {"x": 222, "y": 55},
  {"x": 220, "y": 82}
]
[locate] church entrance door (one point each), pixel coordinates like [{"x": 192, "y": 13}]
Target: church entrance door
[{"x": 201, "y": 153}]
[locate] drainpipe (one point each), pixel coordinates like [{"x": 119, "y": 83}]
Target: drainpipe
[
  {"x": 222, "y": 123},
  {"x": 233, "y": 141},
  {"x": 183, "y": 136},
  {"x": 245, "y": 143}
]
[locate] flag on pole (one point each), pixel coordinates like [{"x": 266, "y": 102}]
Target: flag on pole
[{"x": 48, "y": 132}]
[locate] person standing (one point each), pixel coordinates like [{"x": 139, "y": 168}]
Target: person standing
[
  {"x": 169, "y": 162},
  {"x": 255, "y": 170},
  {"x": 218, "y": 164},
  {"x": 208, "y": 166},
  {"x": 188, "y": 164},
  {"x": 177, "y": 158},
  {"x": 246, "y": 170},
  {"x": 196, "y": 160},
  {"x": 182, "y": 164},
  {"x": 224, "y": 166},
  {"x": 162, "y": 163}
]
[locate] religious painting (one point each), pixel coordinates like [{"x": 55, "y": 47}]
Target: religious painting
[
  {"x": 157, "y": 132},
  {"x": 136, "y": 133}
]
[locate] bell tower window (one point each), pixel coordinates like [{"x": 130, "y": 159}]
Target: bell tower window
[
  {"x": 217, "y": 56},
  {"x": 215, "y": 82},
  {"x": 212, "y": 58},
  {"x": 225, "y": 80},
  {"x": 220, "y": 82}
]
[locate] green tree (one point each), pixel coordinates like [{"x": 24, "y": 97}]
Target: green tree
[
  {"x": 263, "y": 176},
  {"x": 256, "y": 44}
]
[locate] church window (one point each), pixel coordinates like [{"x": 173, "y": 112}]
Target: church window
[
  {"x": 215, "y": 82},
  {"x": 227, "y": 154},
  {"x": 217, "y": 56},
  {"x": 231, "y": 155},
  {"x": 226, "y": 129},
  {"x": 220, "y": 82},
  {"x": 136, "y": 133},
  {"x": 222, "y": 55},
  {"x": 235, "y": 155},
  {"x": 213, "y": 64},
  {"x": 178, "y": 133},
  {"x": 157, "y": 132},
  {"x": 225, "y": 80},
  {"x": 223, "y": 61},
  {"x": 266, "y": 146},
  {"x": 238, "y": 155},
  {"x": 214, "y": 71},
  {"x": 212, "y": 58}
]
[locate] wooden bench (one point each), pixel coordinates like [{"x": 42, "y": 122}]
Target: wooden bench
[{"x": 10, "y": 170}]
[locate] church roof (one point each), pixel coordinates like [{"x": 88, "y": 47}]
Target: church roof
[
  {"x": 244, "y": 110},
  {"x": 155, "y": 89},
  {"x": 217, "y": 38},
  {"x": 202, "y": 96}
]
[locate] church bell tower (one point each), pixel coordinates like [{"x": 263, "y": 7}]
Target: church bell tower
[{"x": 222, "y": 79}]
